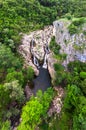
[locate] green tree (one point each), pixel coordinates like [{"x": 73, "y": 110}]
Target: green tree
[
  {"x": 10, "y": 93},
  {"x": 54, "y": 46},
  {"x": 83, "y": 86},
  {"x": 83, "y": 75},
  {"x": 71, "y": 99},
  {"x": 8, "y": 60},
  {"x": 60, "y": 74},
  {"x": 15, "y": 75},
  {"x": 28, "y": 74},
  {"x": 31, "y": 115},
  {"x": 79, "y": 117},
  {"x": 35, "y": 109},
  {"x": 15, "y": 91},
  {"x": 5, "y": 125}
]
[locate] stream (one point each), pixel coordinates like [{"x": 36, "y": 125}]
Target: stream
[{"x": 43, "y": 80}]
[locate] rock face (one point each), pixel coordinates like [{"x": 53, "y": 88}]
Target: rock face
[
  {"x": 39, "y": 39},
  {"x": 56, "y": 105},
  {"x": 68, "y": 43},
  {"x": 73, "y": 45}
]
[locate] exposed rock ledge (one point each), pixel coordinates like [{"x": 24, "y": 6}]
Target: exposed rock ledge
[
  {"x": 73, "y": 45},
  {"x": 40, "y": 38},
  {"x": 56, "y": 105},
  {"x": 67, "y": 42}
]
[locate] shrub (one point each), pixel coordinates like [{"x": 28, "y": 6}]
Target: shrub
[
  {"x": 68, "y": 16},
  {"x": 54, "y": 46},
  {"x": 35, "y": 109},
  {"x": 72, "y": 29},
  {"x": 75, "y": 25},
  {"x": 83, "y": 75},
  {"x": 79, "y": 22},
  {"x": 5, "y": 125}
]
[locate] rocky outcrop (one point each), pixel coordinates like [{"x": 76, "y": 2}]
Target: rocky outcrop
[
  {"x": 28, "y": 92},
  {"x": 69, "y": 44},
  {"x": 39, "y": 39},
  {"x": 73, "y": 45},
  {"x": 56, "y": 105}
]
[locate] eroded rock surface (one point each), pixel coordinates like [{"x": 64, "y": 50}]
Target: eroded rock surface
[
  {"x": 56, "y": 105},
  {"x": 68, "y": 44},
  {"x": 73, "y": 45},
  {"x": 40, "y": 38}
]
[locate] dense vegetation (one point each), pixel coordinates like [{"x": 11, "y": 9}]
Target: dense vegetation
[
  {"x": 76, "y": 25},
  {"x": 22, "y": 16},
  {"x": 36, "y": 110},
  {"x": 26, "y": 15},
  {"x": 55, "y": 48},
  {"x": 73, "y": 115}
]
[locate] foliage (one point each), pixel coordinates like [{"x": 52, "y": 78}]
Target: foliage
[
  {"x": 35, "y": 109},
  {"x": 68, "y": 16},
  {"x": 60, "y": 75},
  {"x": 15, "y": 75},
  {"x": 79, "y": 118},
  {"x": 15, "y": 91},
  {"x": 79, "y": 21},
  {"x": 73, "y": 115},
  {"x": 76, "y": 103},
  {"x": 84, "y": 32},
  {"x": 77, "y": 65},
  {"x": 71, "y": 99},
  {"x": 4, "y": 98},
  {"x": 83, "y": 75},
  {"x": 83, "y": 86},
  {"x": 76, "y": 8},
  {"x": 28, "y": 73},
  {"x": 23, "y": 17},
  {"x": 5, "y": 125},
  {"x": 74, "y": 27},
  {"x": 10, "y": 93},
  {"x": 31, "y": 115},
  {"x": 28, "y": 15},
  {"x": 54, "y": 46},
  {"x": 8, "y": 60},
  {"x": 18, "y": 17}
]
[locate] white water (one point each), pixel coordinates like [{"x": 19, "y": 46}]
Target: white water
[
  {"x": 35, "y": 61},
  {"x": 45, "y": 62}
]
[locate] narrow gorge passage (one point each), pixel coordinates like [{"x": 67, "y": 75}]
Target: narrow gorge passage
[{"x": 43, "y": 80}]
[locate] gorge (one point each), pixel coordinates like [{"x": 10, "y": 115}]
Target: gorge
[
  {"x": 42, "y": 64},
  {"x": 43, "y": 80},
  {"x": 69, "y": 46}
]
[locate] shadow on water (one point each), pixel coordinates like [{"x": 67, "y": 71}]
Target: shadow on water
[{"x": 42, "y": 81}]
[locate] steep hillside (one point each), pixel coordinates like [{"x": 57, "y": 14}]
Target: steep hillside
[{"x": 47, "y": 34}]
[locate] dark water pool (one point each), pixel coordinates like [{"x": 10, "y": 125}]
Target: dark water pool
[{"x": 42, "y": 81}]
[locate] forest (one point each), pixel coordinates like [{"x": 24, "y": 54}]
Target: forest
[{"x": 18, "y": 17}]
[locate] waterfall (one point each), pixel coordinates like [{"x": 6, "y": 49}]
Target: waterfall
[
  {"x": 45, "y": 61},
  {"x": 32, "y": 43},
  {"x": 35, "y": 61},
  {"x": 46, "y": 49}
]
